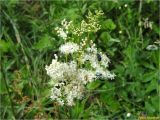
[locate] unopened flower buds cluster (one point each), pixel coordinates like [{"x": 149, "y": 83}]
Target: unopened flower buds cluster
[{"x": 82, "y": 62}]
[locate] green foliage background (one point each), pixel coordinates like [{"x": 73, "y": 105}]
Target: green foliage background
[{"x": 28, "y": 43}]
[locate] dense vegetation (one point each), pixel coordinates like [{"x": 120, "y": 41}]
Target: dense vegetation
[{"x": 129, "y": 36}]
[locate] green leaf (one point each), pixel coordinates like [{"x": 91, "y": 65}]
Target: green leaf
[
  {"x": 44, "y": 43},
  {"x": 108, "y": 5},
  {"x": 151, "y": 86},
  {"x": 149, "y": 108},
  {"x": 78, "y": 109},
  {"x": 110, "y": 101},
  {"x": 93, "y": 85},
  {"x": 72, "y": 14},
  {"x": 149, "y": 76},
  {"x": 2, "y": 85},
  {"x": 156, "y": 29},
  {"x": 4, "y": 46},
  {"x": 105, "y": 97},
  {"x": 114, "y": 105},
  {"x": 108, "y": 24},
  {"x": 114, "y": 40},
  {"x": 84, "y": 8},
  {"x": 155, "y": 102},
  {"x": 108, "y": 86},
  {"x": 105, "y": 37},
  {"x": 147, "y": 65},
  {"x": 130, "y": 53}
]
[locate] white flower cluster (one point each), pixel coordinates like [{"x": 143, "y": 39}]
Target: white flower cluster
[
  {"x": 63, "y": 32},
  {"x": 68, "y": 81},
  {"x": 99, "y": 62},
  {"x": 69, "y": 47},
  {"x": 85, "y": 65}
]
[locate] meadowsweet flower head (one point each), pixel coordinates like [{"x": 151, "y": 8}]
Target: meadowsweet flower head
[
  {"x": 69, "y": 78},
  {"x": 68, "y": 81},
  {"x": 69, "y": 47}
]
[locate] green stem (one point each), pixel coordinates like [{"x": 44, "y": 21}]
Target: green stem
[
  {"x": 66, "y": 57},
  {"x": 87, "y": 38}
]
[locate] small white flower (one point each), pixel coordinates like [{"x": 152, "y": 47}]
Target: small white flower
[
  {"x": 69, "y": 47},
  {"x": 120, "y": 32},
  {"x": 125, "y": 5},
  {"x": 128, "y": 114}
]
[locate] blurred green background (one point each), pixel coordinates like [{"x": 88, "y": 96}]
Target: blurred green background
[{"x": 129, "y": 36}]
